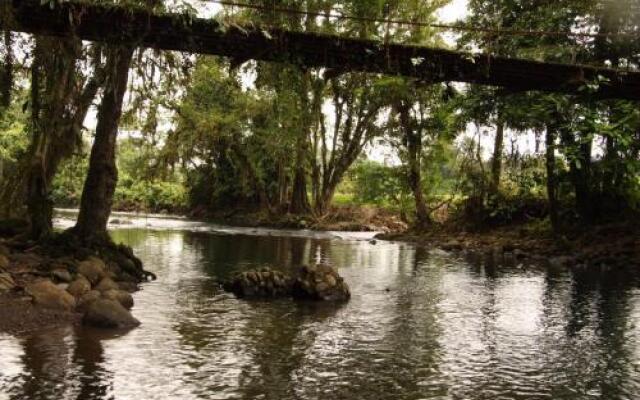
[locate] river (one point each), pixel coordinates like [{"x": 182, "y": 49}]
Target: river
[{"x": 422, "y": 324}]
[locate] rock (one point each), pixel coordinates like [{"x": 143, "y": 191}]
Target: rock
[
  {"x": 128, "y": 286},
  {"x": 120, "y": 296},
  {"x": 63, "y": 263},
  {"x": 79, "y": 287},
  {"x": 320, "y": 283},
  {"x": 48, "y": 295},
  {"x": 30, "y": 260},
  {"x": 4, "y": 250},
  {"x": 88, "y": 298},
  {"x": 93, "y": 269},
  {"x": 113, "y": 270},
  {"x": 259, "y": 284},
  {"x": 4, "y": 262},
  {"x": 61, "y": 275},
  {"x": 6, "y": 282},
  {"x": 105, "y": 313},
  {"x": 107, "y": 284}
]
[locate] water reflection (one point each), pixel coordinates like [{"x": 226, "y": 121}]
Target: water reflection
[{"x": 421, "y": 325}]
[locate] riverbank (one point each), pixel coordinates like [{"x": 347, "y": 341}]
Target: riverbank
[
  {"x": 58, "y": 282},
  {"x": 338, "y": 219},
  {"x": 605, "y": 246}
]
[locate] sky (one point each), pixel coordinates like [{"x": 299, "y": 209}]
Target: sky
[{"x": 456, "y": 10}]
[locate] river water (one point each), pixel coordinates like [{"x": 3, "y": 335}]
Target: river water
[{"x": 422, "y": 324}]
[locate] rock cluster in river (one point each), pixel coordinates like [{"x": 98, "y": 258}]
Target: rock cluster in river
[
  {"x": 99, "y": 291},
  {"x": 317, "y": 283},
  {"x": 321, "y": 283}
]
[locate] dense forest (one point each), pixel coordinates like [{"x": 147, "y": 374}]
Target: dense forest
[{"x": 95, "y": 126}]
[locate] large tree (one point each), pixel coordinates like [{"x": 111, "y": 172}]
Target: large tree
[{"x": 60, "y": 97}]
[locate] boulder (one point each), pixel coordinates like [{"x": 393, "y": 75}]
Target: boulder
[
  {"x": 127, "y": 286},
  {"x": 79, "y": 287},
  {"x": 107, "y": 284},
  {"x": 259, "y": 284},
  {"x": 93, "y": 269},
  {"x": 48, "y": 295},
  {"x": 113, "y": 269},
  {"x": 105, "y": 313},
  {"x": 320, "y": 283},
  {"x": 6, "y": 282},
  {"x": 61, "y": 275},
  {"x": 88, "y": 298},
  {"x": 120, "y": 296}
]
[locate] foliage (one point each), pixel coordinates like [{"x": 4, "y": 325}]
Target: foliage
[{"x": 378, "y": 184}]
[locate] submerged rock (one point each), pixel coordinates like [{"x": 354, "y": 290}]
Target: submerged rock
[
  {"x": 106, "y": 313},
  {"x": 120, "y": 296},
  {"x": 48, "y": 295},
  {"x": 86, "y": 299},
  {"x": 320, "y": 282},
  {"x": 128, "y": 286}
]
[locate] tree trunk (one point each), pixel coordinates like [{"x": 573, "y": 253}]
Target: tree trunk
[
  {"x": 7, "y": 75},
  {"x": 300, "y": 200},
  {"x": 100, "y": 184},
  {"x": 580, "y": 174},
  {"x": 413, "y": 140},
  {"x": 283, "y": 183},
  {"x": 59, "y": 105},
  {"x": 496, "y": 160},
  {"x": 552, "y": 185}
]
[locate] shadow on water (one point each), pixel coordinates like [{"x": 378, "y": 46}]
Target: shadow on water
[{"x": 422, "y": 324}]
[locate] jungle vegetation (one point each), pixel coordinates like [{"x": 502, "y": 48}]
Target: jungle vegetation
[{"x": 98, "y": 127}]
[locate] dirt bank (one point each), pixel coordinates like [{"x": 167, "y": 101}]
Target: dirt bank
[
  {"x": 57, "y": 282},
  {"x": 343, "y": 219},
  {"x": 607, "y": 246}
]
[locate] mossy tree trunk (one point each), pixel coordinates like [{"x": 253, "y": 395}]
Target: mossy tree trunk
[
  {"x": 100, "y": 184},
  {"x": 59, "y": 103}
]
